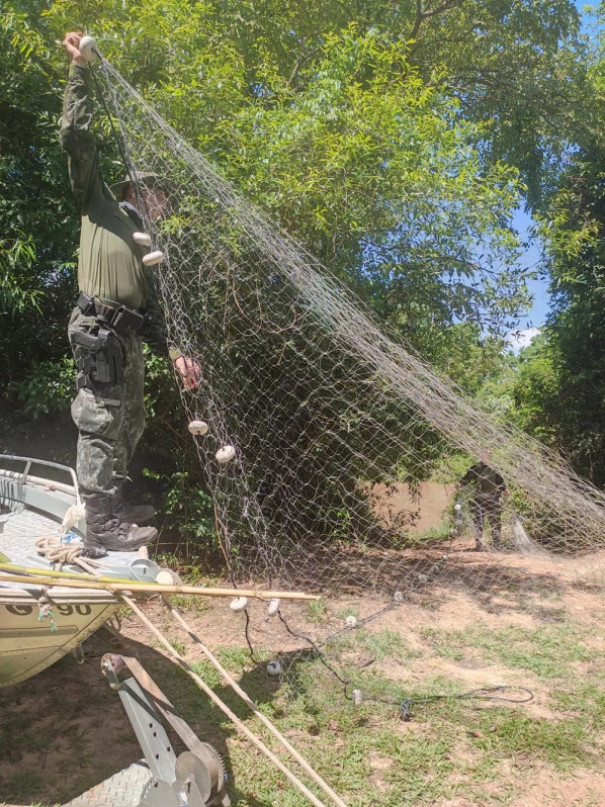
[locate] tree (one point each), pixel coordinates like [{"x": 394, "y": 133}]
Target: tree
[
  {"x": 562, "y": 389},
  {"x": 36, "y": 220}
]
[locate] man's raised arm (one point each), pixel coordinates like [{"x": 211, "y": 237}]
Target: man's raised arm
[{"x": 76, "y": 135}]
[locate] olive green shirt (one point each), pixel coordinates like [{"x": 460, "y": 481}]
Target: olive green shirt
[{"x": 110, "y": 265}]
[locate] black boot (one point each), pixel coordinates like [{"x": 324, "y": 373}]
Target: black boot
[
  {"x": 106, "y": 532},
  {"x": 132, "y": 513}
]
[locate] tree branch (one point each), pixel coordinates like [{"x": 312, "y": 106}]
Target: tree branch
[{"x": 298, "y": 64}]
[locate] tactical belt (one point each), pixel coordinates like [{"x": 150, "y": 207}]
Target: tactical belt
[{"x": 119, "y": 318}]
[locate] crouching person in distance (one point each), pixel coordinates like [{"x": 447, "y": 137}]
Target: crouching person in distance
[{"x": 117, "y": 309}]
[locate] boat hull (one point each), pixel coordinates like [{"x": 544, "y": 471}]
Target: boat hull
[
  {"x": 39, "y": 625},
  {"x": 32, "y": 638}
]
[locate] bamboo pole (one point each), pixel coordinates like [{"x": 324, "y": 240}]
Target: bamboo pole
[
  {"x": 109, "y": 584},
  {"x": 223, "y": 706},
  {"x": 250, "y": 703},
  {"x": 15, "y": 568}
]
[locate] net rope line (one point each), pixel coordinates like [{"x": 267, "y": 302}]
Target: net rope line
[
  {"x": 178, "y": 659},
  {"x": 299, "y": 378},
  {"x": 240, "y": 725},
  {"x": 92, "y": 569},
  {"x": 252, "y": 706}
]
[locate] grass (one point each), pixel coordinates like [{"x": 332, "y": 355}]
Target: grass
[
  {"x": 379, "y": 645},
  {"x": 190, "y": 602},
  {"x": 548, "y": 652},
  {"x": 450, "y": 747},
  {"x": 317, "y": 611},
  {"x": 506, "y": 733}
]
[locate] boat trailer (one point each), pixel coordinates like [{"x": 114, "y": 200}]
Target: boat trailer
[{"x": 194, "y": 778}]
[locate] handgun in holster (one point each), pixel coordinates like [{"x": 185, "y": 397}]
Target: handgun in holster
[{"x": 102, "y": 362}]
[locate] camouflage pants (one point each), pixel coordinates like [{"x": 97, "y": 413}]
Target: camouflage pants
[
  {"x": 110, "y": 416},
  {"x": 487, "y": 509}
]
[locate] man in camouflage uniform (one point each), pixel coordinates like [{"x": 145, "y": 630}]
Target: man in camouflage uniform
[
  {"x": 116, "y": 310},
  {"x": 485, "y": 489}
]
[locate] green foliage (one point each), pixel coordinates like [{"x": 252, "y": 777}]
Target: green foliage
[
  {"x": 16, "y": 261},
  {"x": 560, "y": 394},
  {"x": 37, "y": 221},
  {"x": 339, "y": 135},
  {"x": 516, "y": 66},
  {"x": 191, "y": 509},
  {"x": 536, "y": 389},
  {"x": 394, "y": 140},
  {"x": 48, "y": 387}
]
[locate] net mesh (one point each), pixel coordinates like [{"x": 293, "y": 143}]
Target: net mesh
[{"x": 330, "y": 421}]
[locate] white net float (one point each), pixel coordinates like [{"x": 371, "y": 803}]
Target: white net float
[
  {"x": 87, "y": 48},
  {"x": 164, "y": 578},
  {"x": 198, "y": 427},
  {"x": 398, "y": 596},
  {"x": 143, "y": 239},
  {"x": 351, "y": 621},
  {"x": 168, "y": 577},
  {"x": 153, "y": 258},
  {"x": 273, "y": 606},
  {"x": 239, "y": 603},
  {"x": 225, "y": 453},
  {"x": 273, "y": 668}
]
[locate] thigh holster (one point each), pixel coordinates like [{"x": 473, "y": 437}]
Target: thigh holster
[{"x": 99, "y": 357}]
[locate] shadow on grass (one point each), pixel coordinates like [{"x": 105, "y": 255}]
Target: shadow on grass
[{"x": 65, "y": 730}]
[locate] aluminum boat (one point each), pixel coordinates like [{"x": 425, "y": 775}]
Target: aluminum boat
[{"x": 39, "y": 624}]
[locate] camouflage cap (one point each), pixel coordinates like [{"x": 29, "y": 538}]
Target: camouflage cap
[{"x": 146, "y": 178}]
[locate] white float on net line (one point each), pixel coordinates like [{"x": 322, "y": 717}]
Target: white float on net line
[
  {"x": 239, "y": 603},
  {"x": 153, "y": 258},
  {"x": 142, "y": 239},
  {"x": 198, "y": 427},
  {"x": 351, "y": 621},
  {"x": 356, "y": 697},
  {"x": 225, "y": 453},
  {"x": 273, "y": 668},
  {"x": 88, "y": 48},
  {"x": 273, "y": 606},
  {"x": 167, "y": 577}
]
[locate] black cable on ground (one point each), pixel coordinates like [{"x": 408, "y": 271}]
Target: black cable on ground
[
  {"x": 320, "y": 655},
  {"x": 483, "y": 693}
]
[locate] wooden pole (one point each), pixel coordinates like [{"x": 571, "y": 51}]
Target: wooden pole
[
  {"x": 239, "y": 724},
  {"x": 109, "y": 584},
  {"x": 250, "y": 703}
]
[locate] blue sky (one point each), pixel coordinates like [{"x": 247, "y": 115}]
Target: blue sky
[
  {"x": 539, "y": 288},
  {"x": 522, "y": 223}
]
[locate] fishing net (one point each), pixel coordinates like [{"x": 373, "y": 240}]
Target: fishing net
[{"x": 318, "y": 423}]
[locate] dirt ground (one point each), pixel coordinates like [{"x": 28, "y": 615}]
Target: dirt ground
[
  {"x": 417, "y": 511},
  {"x": 65, "y": 730}
]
